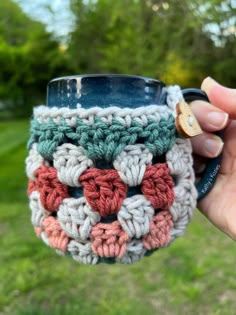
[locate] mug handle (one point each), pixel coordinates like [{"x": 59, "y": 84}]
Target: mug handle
[{"x": 212, "y": 168}]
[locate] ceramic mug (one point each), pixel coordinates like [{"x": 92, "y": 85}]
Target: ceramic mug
[{"x": 110, "y": 177}]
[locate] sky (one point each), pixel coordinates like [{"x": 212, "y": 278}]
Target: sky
[{"x": 55, "y": 14}]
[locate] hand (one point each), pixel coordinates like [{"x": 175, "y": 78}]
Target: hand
[{"x": 220, "y": 204}]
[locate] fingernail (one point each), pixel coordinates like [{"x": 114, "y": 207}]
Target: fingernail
[
  {"x": 213, "y": 146},
  {"x": 217, "y": 119},
  {"x": 207, "y": 84}
]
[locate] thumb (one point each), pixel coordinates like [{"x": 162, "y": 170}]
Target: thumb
[{"x": 220, "y": 96}]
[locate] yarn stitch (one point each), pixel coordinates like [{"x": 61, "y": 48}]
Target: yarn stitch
[
  {"x": 135, "y": 250},
  {"x": 100, "y": 140},
  {"x": 135, "y": 216},
  {"x": 52, "y": 192},
  {"x": 34, "y": 161},
  {"x": 104, "y": 190},
  {"x": 82, "y": 253},
  {"x": 37, "y": 210},
  {"x": 109, "y": 240},
  {"x": 131, "y": 163},
  {"x": 109, "y": 184},
  {"x": 159, "y": 235},
  {"x": 70, "y": 162},
  {"x": 56, "y": 236},
  {"x": 184, "y": 190},
  {"x": 76, "y": 218},
  {"x": 157, "y": 186}
]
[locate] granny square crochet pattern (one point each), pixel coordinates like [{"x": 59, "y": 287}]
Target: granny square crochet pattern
[{"x": 109, "y": 184}]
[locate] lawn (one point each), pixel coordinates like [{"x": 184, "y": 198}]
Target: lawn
[{"x": 195, "y": 275}]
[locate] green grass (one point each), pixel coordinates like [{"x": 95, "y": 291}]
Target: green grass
[{"x": 195, "y": 275}]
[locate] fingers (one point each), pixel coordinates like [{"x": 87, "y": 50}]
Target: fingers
[
  {"x": 211, "y": 119},
  {"x": 222, "y": 97},
  {"x": 207, "y": 145}
]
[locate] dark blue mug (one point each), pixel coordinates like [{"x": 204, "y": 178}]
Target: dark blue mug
[
  {"x": 132, "y": 91},
  {"x": 111, "y": 175}
]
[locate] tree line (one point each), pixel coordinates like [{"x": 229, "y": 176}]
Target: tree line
[{"x": 175, "y": 41}]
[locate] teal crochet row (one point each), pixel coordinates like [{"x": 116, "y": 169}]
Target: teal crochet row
[{"x": 100, "y": 140}]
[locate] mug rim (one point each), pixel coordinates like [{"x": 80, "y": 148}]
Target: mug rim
[
  {"x": 104, "y": 90},
  {"x": 110, "y": 76}
]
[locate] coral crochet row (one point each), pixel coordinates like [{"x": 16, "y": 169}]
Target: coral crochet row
[{"x": 109, "y": 185}]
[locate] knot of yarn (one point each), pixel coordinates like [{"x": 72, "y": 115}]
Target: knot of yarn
[
  {"x": 76, "y": 217},
  {"x": 131, "y": 163},
  {"x": 82, "y": 253},
  {"x": 57, "y": 238},
  {"x": 52, "y": 192},
  {"x": 109, "y": 240},
  {"x": 70, "y": 162},
  {"x": 159, "y": 234},
  {"x": 135, "y": 215},
  {"x": 157, "y": 186},
  {"x": 104, "y": 190}
]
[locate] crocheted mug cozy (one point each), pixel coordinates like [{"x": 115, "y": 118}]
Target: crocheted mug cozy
[{"x": 110, "y": 184}]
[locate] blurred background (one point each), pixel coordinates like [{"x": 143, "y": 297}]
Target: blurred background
[{"x": 175, "y": 41}]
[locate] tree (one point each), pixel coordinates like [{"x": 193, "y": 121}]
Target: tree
[
  {"x": 170, "y": 40},
  {"x": 29, "y": 58}
]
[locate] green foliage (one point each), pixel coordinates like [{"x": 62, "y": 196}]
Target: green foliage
[
  {"x": 195, "y": 275},
  {"x": 176, "y": 41},
  {"x": 29, "y": 56},
  {"x": 12, "y": 153},
  {"x": 170, "y": 40}
]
